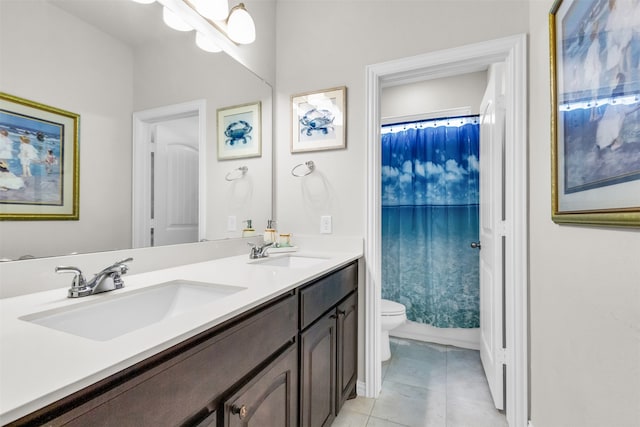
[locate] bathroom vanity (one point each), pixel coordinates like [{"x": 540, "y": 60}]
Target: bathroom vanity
[{"x": 286, "y": 357}]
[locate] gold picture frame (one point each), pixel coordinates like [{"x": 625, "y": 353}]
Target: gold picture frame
[
  {"x": 594, "y": 111},
  {"x": 39, "y": 161},
  {"x": 319, "y": 120}
]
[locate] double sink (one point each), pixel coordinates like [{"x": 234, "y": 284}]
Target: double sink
[{"x": 106, "y": 317}]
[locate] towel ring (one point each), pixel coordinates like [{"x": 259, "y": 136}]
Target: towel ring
[
  {"x": 309, "y": 165},
  {"x": 242, "y": 169}
]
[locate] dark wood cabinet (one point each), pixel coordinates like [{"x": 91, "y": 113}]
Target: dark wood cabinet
[
  {"x": 270, "y": 398},
  {"x": 346, "y": 350},
  {"x": 291, "y": 361},
  {"x": 328, "y": 346},
  {"x": 318, "y": 373}
]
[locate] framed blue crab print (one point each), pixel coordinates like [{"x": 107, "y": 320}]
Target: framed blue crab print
[
  {"x": 240, "y": 131},
  {"x": 318, "y": 120},
  {"x": 595, "y": 112}
]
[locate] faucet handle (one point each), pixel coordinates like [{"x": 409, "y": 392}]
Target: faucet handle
[{"x": 78, "y": 280}]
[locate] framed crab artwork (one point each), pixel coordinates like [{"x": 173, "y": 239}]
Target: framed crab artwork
[
  {"x": 318, "y": 120},
  {"x": 240, "y": 131}
]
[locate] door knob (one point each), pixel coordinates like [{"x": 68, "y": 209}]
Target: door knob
[
  {"x": 475, "y": 245},
  {"x": 240, "y": 411}
]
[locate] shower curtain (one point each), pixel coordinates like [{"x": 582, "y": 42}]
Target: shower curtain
[{"x": 430, "y": 189}]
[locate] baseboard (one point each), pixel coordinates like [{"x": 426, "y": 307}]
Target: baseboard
[
  {"x": 361, "y": 388},
  {"x": 458, "y": 337}
]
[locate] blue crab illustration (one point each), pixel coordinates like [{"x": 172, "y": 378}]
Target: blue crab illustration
[
  {"x": 238, "y": 132},
  {"x": 317, "y": 121}
]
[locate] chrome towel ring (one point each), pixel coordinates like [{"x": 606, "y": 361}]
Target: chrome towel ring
[
  {"x": 237, "y": 173},
  {"x": 310, "y": 168}
]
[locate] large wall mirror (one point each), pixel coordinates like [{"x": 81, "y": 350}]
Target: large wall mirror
[{"x": 108, "y": 60}]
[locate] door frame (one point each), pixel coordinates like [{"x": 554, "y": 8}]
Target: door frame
[
  {"x": 142, "y": 123},
  {"x": 450, "y": 62}
]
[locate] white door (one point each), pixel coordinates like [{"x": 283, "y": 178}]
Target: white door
[
  {"x": 492, "y": 133},
  {"x": 174, "y": 214}
]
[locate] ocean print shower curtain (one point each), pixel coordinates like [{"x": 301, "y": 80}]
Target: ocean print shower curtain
[{"x": 430, "y": 197}]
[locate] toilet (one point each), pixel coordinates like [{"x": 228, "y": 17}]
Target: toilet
[{"x": 393, "y": 315}]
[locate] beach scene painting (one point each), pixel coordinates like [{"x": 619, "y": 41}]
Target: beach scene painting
[
  {"x": 596, "y": 107},
  {"x": 30, "y": 160},
  {"x": 39, "y": 161}
]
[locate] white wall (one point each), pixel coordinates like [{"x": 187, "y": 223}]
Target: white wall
[
  {"x": 436, "y": 95},
  {"x": 64, "y": 63},
  {"x": 584, "y": 290}
]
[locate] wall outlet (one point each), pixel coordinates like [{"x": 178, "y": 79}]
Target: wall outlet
[
  {"x": 325, "y": 224},
  {"x": 231, "y": 223}
]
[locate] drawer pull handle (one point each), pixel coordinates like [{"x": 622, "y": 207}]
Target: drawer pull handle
[
  {"x": 240, "y": 411},
  {"x": 341, "y": 313}
]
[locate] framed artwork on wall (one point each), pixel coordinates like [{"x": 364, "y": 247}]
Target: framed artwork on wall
[
  {"x": 39, "y": 161},
  {"x": 240, "y": 131},
  {"x": 318, "y": 120},
  {"x": 595, "y": 97}
]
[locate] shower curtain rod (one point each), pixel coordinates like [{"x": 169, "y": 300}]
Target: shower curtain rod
[{"x": 471, "y": 118}]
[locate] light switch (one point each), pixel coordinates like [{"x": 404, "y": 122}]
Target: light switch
[
  {"x": 231, "y": 223},
  {"x": 325, "y": 224}
]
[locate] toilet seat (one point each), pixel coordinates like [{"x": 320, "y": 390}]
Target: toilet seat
[{"x": 392, "y": 308}]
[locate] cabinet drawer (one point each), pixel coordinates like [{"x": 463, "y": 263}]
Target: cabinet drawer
[
  {"x": 323, "y": 294},
  {"x": 173, "y": 385}
]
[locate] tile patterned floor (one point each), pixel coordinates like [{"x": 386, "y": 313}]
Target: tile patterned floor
[{"x": 426, "y": 385}]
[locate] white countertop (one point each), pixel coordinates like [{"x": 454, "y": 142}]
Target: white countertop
[{"x": 39, "y": 365}]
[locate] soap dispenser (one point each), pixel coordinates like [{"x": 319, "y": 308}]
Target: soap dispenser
[
  {"x": 248, "y": 230},
  {"x": 270, "y": 234}
]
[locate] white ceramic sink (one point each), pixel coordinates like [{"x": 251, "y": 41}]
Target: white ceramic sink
[
  {"x": 290, "y": 261},
  {"x": 109, "y": 316}
]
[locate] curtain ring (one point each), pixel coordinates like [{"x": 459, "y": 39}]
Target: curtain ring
[
  {"x": 310, "y": 166},
  {"x": 242, "y": 169}
]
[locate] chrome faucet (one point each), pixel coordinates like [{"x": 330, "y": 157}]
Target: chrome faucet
[
  {"x": 259, "y": 251},
  {"x": 107, "y": 279}
]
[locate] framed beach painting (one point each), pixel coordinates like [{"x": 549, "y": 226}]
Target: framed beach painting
[
  {"x": 39, "y": 161},
  {"x": 240, "y": 131},
  {"x": 595, "y": 94},
  {"x": 318, "y": 120}
]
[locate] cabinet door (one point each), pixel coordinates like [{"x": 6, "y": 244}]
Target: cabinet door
[
  {"x": 347, "y": 349},
  {"x": 270, "y": 398},
  {"x": 318, "y": 372}
]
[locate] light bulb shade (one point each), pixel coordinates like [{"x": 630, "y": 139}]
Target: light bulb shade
[
  {"x": 174, "y": 21},
  {"x": 205, "y": 43},
  {"x": 240, "y": 26},
  {"x": 216, "y": 10}
]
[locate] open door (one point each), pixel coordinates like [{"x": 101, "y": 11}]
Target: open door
[
  {"x": 175, "y": 182},
  {"x": 492, "y": 239}
]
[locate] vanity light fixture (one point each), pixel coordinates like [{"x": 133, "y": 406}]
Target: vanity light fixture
[
  {"x": 233, "y": 26},
  {"x": 240, "y": 26},
  {"x": 216, "y": 10},
  {"x": 173, "y": 20},
  {"x": 206, "y": 44}
]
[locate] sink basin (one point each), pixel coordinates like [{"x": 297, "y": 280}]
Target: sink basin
[
  {"x": 110, "y": 316},
  {"x": 291, "y": 261}
]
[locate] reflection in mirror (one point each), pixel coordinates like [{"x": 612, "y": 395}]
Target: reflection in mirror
[{"x": 106, "y": 60}]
